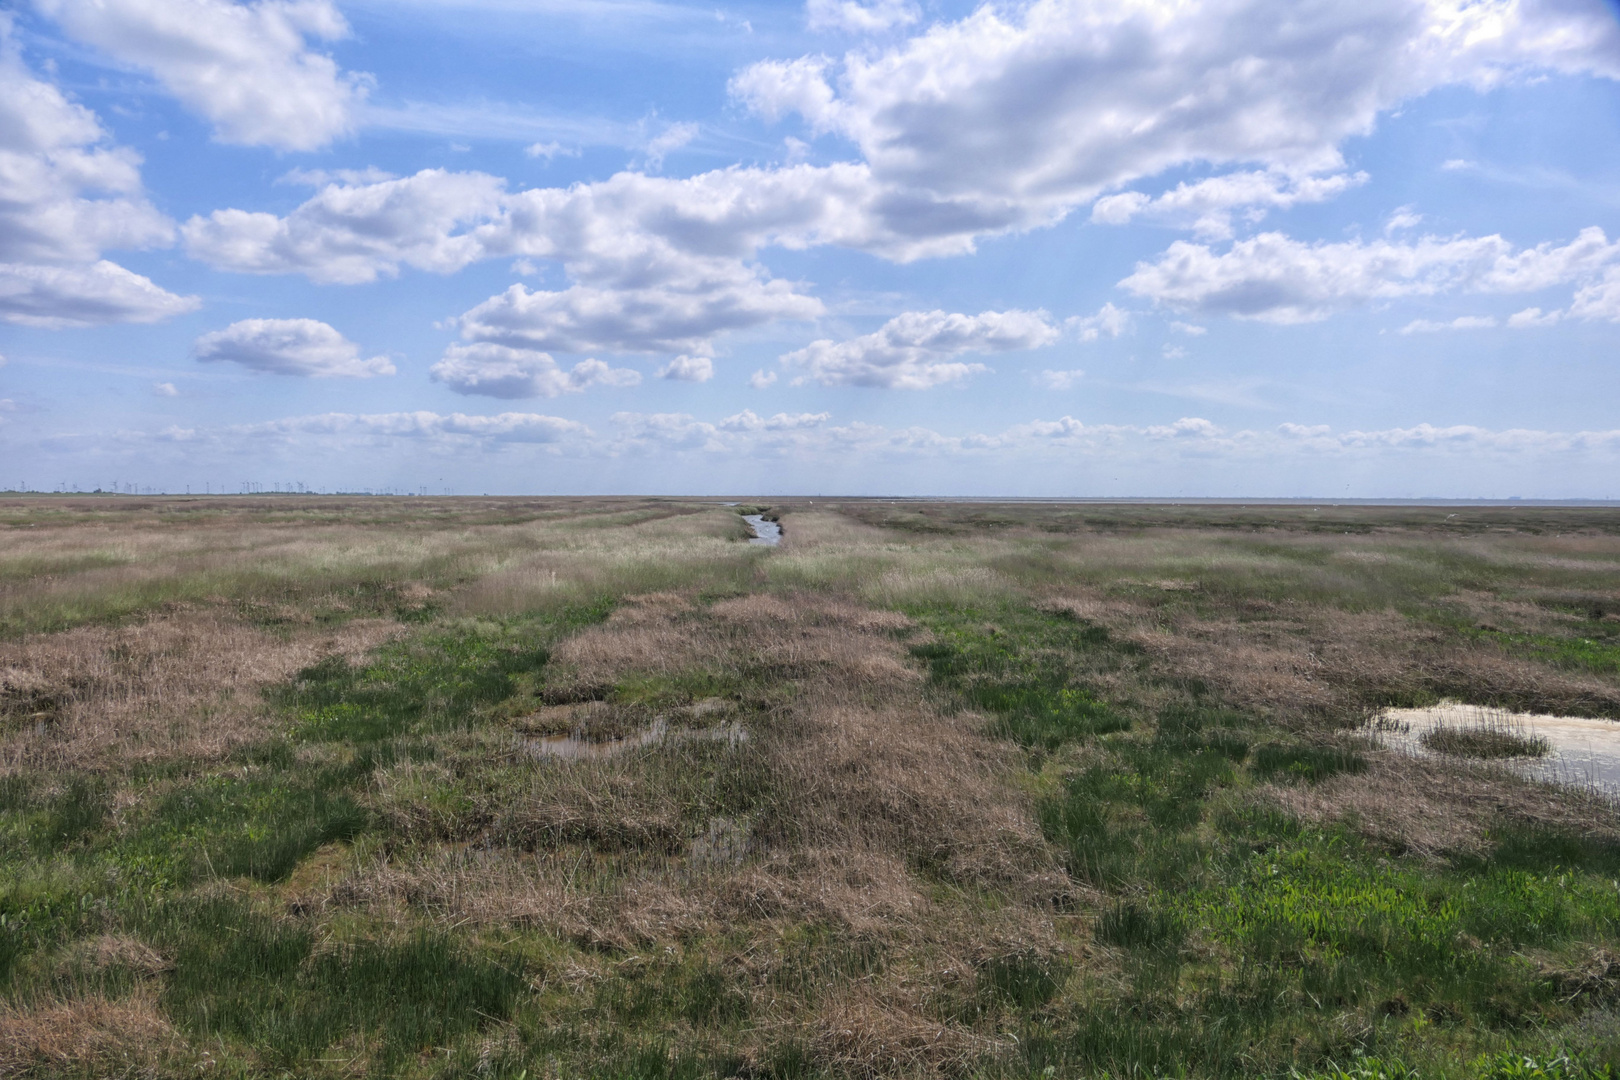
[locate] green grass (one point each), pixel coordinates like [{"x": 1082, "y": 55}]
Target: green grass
[
  {"x": 1204, "y": 932},
  {"x": 1242, "y": 931},
  {"x": 242, "y": 976},
  {"x": 263, "y": 984}
]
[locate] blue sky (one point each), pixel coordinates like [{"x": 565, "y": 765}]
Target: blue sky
[{"x": 1066, "y": 247}]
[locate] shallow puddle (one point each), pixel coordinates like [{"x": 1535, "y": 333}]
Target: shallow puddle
[
  {"x": 1584, "y": 752},
  {"x": 765, "y": 532}
]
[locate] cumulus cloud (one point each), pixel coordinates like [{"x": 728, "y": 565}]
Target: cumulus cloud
[
  {"x": 688, "y": 369},
  {"x": 165, "y": 389},
  {"x": 1600, "y": 299},
  {"x": 350, "y": 233},
  {"x": 776, "y": 88},
  {"x": 248, "y": 68},
  {"x": 305, "y": 347},
  {"x": 1109, "y": 320},
  {"x": 54, "y": 297},
  {"x": 1019, "y": 113},
  {"x": 1007, "y": 119},
  {"x": 853, "y": 17},
  {"x": 65, "y": 196},
  {"x": 1275, "y": 278},
  {"x": 747, "y": 420},
  {"x": 920, "y": 349},
  {"x": 658, "y": 265},
  {"x": 760, "y": 379},
  {"x": 500, "y": 372},
  {"x": 1206, "y": 206},
  {"x": 684, "y": 318}
]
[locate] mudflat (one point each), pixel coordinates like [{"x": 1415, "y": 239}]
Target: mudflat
[{"x": 297, "y": 785}]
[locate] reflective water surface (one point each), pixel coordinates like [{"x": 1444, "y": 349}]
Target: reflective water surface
[
  {"x": 1583, "y": 751},
  {"x": 765, "y": 532}
]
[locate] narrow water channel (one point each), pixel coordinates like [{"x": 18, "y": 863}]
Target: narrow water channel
[{"x": 768, "y": 533}]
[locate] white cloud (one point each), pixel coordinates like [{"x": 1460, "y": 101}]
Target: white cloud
[
  {"x": 1005, "y": 120},
  {"x": 1403, "y": 218},
  {"x": 673, "y": 138},
  {"x": 305, "y": 347},
  {"x": 1014, "y": 115},
  {"x": 1274, "y": 278},
  {"x": 499, "y": 372},
  {"x": 1599, "y": 300},
  {"x": 319, "y": 178},
  {"x": 1596, "y": 300},
  {"x": 747, "y": 420},
  {"x": 347, "y": 429},
  {"x": 1533, "y": 317},
  {"x": 550, "y": 150},
  {"x": 54, "y": 297},
  {"x": 248, "y": 68},
  {"x": 1190, "y": 329},
  {"x": 918, "y": 349},
  {"x": 671, "y": 431},
  {"x": 352, "y": 233},
  {"x": 1463, "y": 322},
  {"x": 776, "y": 88},
  {"x": 688, "y": 369},
  {"x": 793, "y": 436},
  {"x": 165, "y": 389},
  {"x": 65, "y": 196},
  {"x": 1060, "y": 380},
  {"x": 659, "y": 265},
  {"x": 760, "y": 379},
  {"x": 853, "y": 17},
  {"x": 1464, "y": 438},
  {"x": 1109, "y": 320},
  {"x": 1206, "y": 206},
  {"x": 1174, "y": 352},
  {"x": 682, "y": 318}
]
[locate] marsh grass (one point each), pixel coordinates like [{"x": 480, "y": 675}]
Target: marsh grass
[
  {"x": 1493, "y": 737},
  {"x": 1004, "y": 791}
]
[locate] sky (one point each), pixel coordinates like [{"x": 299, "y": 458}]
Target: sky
[{"x": 1163, "y": 248}]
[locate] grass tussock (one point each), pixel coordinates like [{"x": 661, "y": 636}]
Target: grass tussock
[
  {"x": 1490, "y": 739},
  {"x": 929, "y": 790}
]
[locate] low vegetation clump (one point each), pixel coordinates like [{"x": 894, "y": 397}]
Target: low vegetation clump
[
  {"x": 1483, "y": 741},
  {"x": 523, "y": 788}
]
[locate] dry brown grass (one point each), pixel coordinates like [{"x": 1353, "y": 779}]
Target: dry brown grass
[
  {"x": 1440, "y": 808},
  {"x": 879, "y": 801},
  {"x": 94, "y": 1035},
  {"x": 1303, "y": 664},
  {"x": 183, "y": 683}
]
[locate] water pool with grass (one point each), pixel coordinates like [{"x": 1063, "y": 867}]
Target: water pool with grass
[{"x": 1558, "y": 749}]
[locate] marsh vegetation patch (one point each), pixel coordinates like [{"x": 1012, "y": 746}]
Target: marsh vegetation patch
[{"x": 932, "y": 790}]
